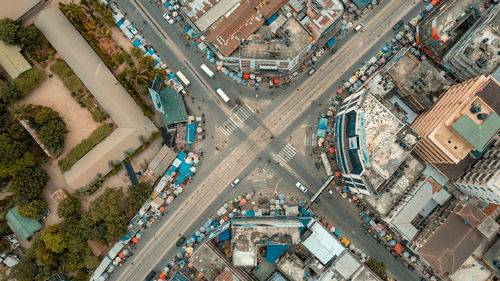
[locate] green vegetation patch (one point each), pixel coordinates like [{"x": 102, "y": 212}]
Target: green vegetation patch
[
  {"x": 77, "y": 152},
  {"x": 29, "y": 80},
  {"x": 68, "y": 77}
]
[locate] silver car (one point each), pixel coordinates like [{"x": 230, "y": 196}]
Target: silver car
[{"x": 301, "y": 187}]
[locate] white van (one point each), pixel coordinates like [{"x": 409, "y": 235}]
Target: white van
[{"x": 358, "y": 27}]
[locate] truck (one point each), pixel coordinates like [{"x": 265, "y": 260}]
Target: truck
[
  {"x": 207, "y": 71},
  {"x": 221, "y": 94},
  {"x": 183, "y": 79}
]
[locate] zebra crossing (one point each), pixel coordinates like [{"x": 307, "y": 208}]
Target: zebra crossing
[
  {"x": 228, "y": 127},
  {"x": 287, "y": 153},
  {"x": 243, "y": 112},
  {"x": 260, "y": 183},
  {"x": 310, "y": 139}
]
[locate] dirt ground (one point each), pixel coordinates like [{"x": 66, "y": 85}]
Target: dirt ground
[
  {"x": 121, "y": 39},
  {"x": 139, "y": 162},
  {"x": 79, "y": 122}
]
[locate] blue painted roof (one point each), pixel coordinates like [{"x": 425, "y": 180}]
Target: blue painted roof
[
  {"x": 191, "y": 129},
  {"x": 225, "y": 235},
  {"x": 137, "y": 43},
  {"x": 274, "y": 252}
]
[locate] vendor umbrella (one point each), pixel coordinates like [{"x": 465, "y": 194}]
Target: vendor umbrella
[
  {"x": 246, "y": 75},
  {"x": 121, "y": 255},
  {"x": 276, "y": 81},
  {"x": 163, "y": 276},
  {"x": 135, "y": 240}
]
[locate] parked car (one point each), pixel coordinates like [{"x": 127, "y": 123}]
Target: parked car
[
  {"x": 312, "y": 71},
  {"x": 235, "y": 182},
  {"x": 358, "y": 27},
  {"x": 317, "y": 165},
  {"x": 168, "y": 18},
  {"x": 398, "y": 25},
  {"x": 180, "y": 241},
  {"x": 301, "y": 187},
  {"x": 150, "y": 276}
]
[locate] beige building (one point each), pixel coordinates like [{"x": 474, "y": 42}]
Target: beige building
[
  {"x": 12, "y": 61},
  {"x": 464, "y": 120},
  {"x": 19, "y": 9}
]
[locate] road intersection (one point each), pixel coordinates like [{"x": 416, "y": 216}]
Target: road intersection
[{"x": 252, "y": 137}]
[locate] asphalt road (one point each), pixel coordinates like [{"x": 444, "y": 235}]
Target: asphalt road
[{"x": 296, "y": 106}]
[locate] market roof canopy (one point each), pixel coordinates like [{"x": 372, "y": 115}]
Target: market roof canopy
[
  {"x": 22, "y": 227},
  {"x": 173, "y": 106},
  {"x": 477, "y": 135},
  {"x": 322, "y": 244}
]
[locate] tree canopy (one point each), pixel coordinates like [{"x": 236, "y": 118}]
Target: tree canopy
[
  {"x": 377, "y": 266},
  {"x": 15, "y": 156},
  {"x": 70, "y": 206},
  {"x": 138, "y": 195},
  {"x": 8, "y": 30},
  {"x": 33, "y": 209},
  {"x": 28, "y": 184}
]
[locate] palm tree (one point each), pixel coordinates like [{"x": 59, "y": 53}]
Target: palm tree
[
  {"x": 73, "y": 11},
  {"x": 137, "y": 76}
]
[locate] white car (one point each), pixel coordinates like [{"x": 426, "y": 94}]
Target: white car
[
  {"x": 301, "y": 187},
  {"x": 235, "y": 182},
  {"x": 168, "y": 18}
]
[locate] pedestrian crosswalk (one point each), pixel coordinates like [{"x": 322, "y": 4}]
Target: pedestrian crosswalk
[
  {"x": 228, "y": 127},
  {"x": 243, "y": 112},
  {"x": 260, "y": 183},
  {"x": 310, "y": 139},
  {"x": 287, "y": 153}
]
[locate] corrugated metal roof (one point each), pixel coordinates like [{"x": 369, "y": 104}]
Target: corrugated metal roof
[
  {"x": 12, "y": 60},
  {"x": 322, "y": 244},
  {"x": 22, "y": 227}
]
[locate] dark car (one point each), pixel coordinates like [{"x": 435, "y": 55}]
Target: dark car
[
  {"x": 316, "y": 164},
  {"x": 180, "y": 241},
  {"x": 398, "y": 25},
  {"x": 150, "y": 276}
]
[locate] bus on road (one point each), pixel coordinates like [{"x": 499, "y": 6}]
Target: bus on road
[
  {"x": 223, "y": 95},
  {"x": 207, "y": 70},
  {"x": 183, "y": 78}
]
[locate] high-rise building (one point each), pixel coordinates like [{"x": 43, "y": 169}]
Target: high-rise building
[
  {"x": 464, "y": 120},
  {"x": 481, "y": 180}
]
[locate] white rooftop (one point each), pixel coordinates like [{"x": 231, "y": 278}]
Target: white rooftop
[{"x": 322, "y": 244}]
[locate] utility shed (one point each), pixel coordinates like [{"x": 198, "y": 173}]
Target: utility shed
[{"x": 12, "y": 61}]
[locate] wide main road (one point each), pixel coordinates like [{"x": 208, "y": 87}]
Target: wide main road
[{"x": 212, "y": 187}]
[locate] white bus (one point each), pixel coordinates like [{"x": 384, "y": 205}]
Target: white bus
[
  {"x": 223, "y": 95},
  {"x": 207, "y": 71},
  {"x": 183, "y": 78}
]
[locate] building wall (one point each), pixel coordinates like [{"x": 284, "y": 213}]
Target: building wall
[
  {"x": 442, "y": 114},
  {"x": 481, "y": 181}
]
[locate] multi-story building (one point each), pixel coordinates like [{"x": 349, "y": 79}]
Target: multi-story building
[
  {"x": 477, "y": 53},
  {"x": 481, "y": 180},
  {"x": 262, "y": 36},
  {"x": 447, "y": 24},
  {"x": 371, "y": 142},
  {"x": 464, "y": 120}
]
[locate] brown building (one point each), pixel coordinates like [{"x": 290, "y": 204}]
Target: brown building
[{"x": 464, "y": 120}]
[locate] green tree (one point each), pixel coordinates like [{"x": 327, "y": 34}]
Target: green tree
[
  {"x": 107, "y": 205},
  {"x": 43, "y": 255},
  {"x": 136, "y": 52},
  {"x": 28, "y": 184},
  {"x": 14, "y": 156},
  {"x": 68, "y": 207},
  {"x": 81, "y": 276},
  {"x": 45, "y": 115},
  {"x": 137, "y": 76},
  {"x": 29, "y": 37},
  {"x": 91, "y": 261},
  {"x": 9, "y": 93},
  {"x": 73, "y": 11},
  {"x": 25, "y": 270},
  {"x": 116, "y": 227},
  {"x": 73, "y": 261},
  {"x": 8, "y": 30},
  {"x": 54, "y": 240},
  {"x": 378, "y": 267},
  {"x": 138, "y": 195},
  {"x": 33, "y": 209},
  {"x": 52, "y": 135},
  {"x": 29, "y": 80}
]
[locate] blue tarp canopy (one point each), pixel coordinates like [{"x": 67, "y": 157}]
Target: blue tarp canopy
[
  {"x": 322, "y": 127},
  {"x": 331, "y": 42},
  {"x": 274, "y": 252},
  {"x": 136, "y": 43},
  {"x": 191, "y": 128},
  {"x": 225, "y": 235},
  {"x": 119, "y": 23},
  {"x": 151, "y": 51},
  {"x": 361, "y": 3},
  {"x": 272, "y": 18},
  {"x": 173, "y": 168},
  {"x": 250, "y": 213}
]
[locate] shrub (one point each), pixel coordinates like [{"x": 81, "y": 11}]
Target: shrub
[
  {"x": 118, "y": 58},
  {"x": 68, "y": 77},
  {"x": 77, "y": 152},
  {"x": 99, "y": 115},
  {"x": 29, "y": 80},
  {"x": 378, "y": 267},
  {"x": 127, "y": 59},
  {"x": 146, "y": 109}
]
